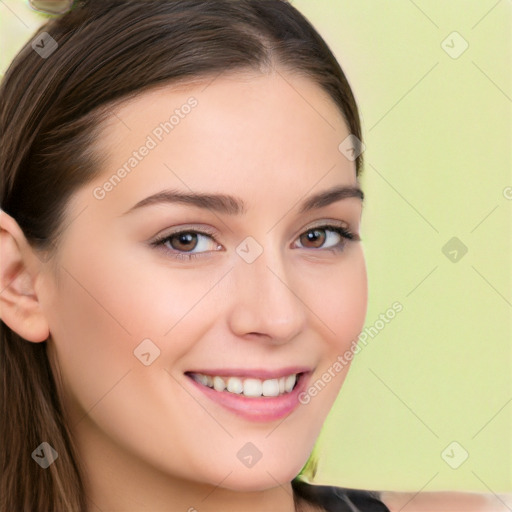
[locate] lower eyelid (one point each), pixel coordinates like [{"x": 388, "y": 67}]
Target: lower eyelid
[
  {"x": 189, "y": 255},
  {"x": 165, "y": 239}
]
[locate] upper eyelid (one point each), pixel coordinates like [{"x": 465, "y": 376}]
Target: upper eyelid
[{"x": 213, "y": 234}]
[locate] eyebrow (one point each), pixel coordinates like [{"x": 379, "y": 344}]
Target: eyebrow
[{"x": 231, "y": 205}]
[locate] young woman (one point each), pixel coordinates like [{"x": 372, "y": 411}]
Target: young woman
[{"x": 181, "y": 259}]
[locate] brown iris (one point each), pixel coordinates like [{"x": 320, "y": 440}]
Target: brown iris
[
  {"x": 315, "y": 236},
  {"x": 186, "y": 239}
]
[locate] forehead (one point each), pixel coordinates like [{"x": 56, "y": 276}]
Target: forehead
[{"x": 232, "y": 132}]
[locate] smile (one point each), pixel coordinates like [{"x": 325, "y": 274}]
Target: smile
[
  {"x": 249, "y": 387},
  {"x": 257, "y": 396}
]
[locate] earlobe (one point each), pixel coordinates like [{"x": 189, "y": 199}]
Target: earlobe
[{"x": 20, "y": 308}]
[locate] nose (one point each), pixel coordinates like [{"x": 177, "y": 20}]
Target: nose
[{"x": 265, "y": 299}]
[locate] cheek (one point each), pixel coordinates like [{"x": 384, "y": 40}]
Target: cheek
[
  {"x": 339, "y": 300},
  {"x": 92, "y": 344},
  {"x": 100, "y": 316}
]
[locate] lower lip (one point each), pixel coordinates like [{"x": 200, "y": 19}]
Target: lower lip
[{"x": 259, "y": 409}]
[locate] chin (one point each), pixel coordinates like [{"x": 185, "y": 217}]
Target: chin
[{"x": 262, "y": 478}]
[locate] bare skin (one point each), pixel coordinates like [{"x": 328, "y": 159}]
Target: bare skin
[
  {"x": 446, "y": 502},
  {"x": 149, "y": 440}
]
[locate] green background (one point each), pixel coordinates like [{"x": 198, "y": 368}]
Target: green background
[{"x": 437, "y": 165}]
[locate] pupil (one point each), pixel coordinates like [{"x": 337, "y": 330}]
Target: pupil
[
  {"x": 315, "y": 236},
  {"x": 186, "y": 238}
]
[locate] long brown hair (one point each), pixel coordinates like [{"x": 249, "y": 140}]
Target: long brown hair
[{"x": 50, "y": 112}]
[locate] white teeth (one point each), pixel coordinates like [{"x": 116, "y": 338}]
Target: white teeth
[
  {"x": 203, "y": 379},
  {"x": 218, "y": 383},
  {"x": 290, "y": 382},
  {"x": 252, "y": 387},
  {"x": 235, "y": 385},
  {"x": 248, "y": 387},
  {"x": 270, "y": 387}
]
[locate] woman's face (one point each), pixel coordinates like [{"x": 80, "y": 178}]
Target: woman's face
[{"x": 249, "y": 289}]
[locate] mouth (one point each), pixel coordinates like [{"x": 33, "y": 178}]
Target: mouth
[
  {"x": 248, "y": 386},
  {"x": 253, "y": 395}
]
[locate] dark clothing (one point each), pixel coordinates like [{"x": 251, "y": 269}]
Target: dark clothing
[{"x": 339, "y": 499}]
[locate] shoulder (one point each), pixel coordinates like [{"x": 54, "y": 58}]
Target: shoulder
[
  {"x": 446, "y": 500},
  {"x": 340, "y": 499}
]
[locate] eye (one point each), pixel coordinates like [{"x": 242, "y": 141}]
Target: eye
[
  {"x": 188, "y": 244},
  {"x": 326, "y": 237}
]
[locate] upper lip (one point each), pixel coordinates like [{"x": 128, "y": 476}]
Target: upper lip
[{"x": 256, "y": 373}]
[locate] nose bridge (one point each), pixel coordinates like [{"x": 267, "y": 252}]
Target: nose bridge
[{"x": 264, "y": 300}]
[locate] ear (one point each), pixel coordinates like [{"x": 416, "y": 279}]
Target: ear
[{"x": 19, "y": 306}]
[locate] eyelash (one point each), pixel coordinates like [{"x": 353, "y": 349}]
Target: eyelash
[{"x": 346, "y": 235}]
